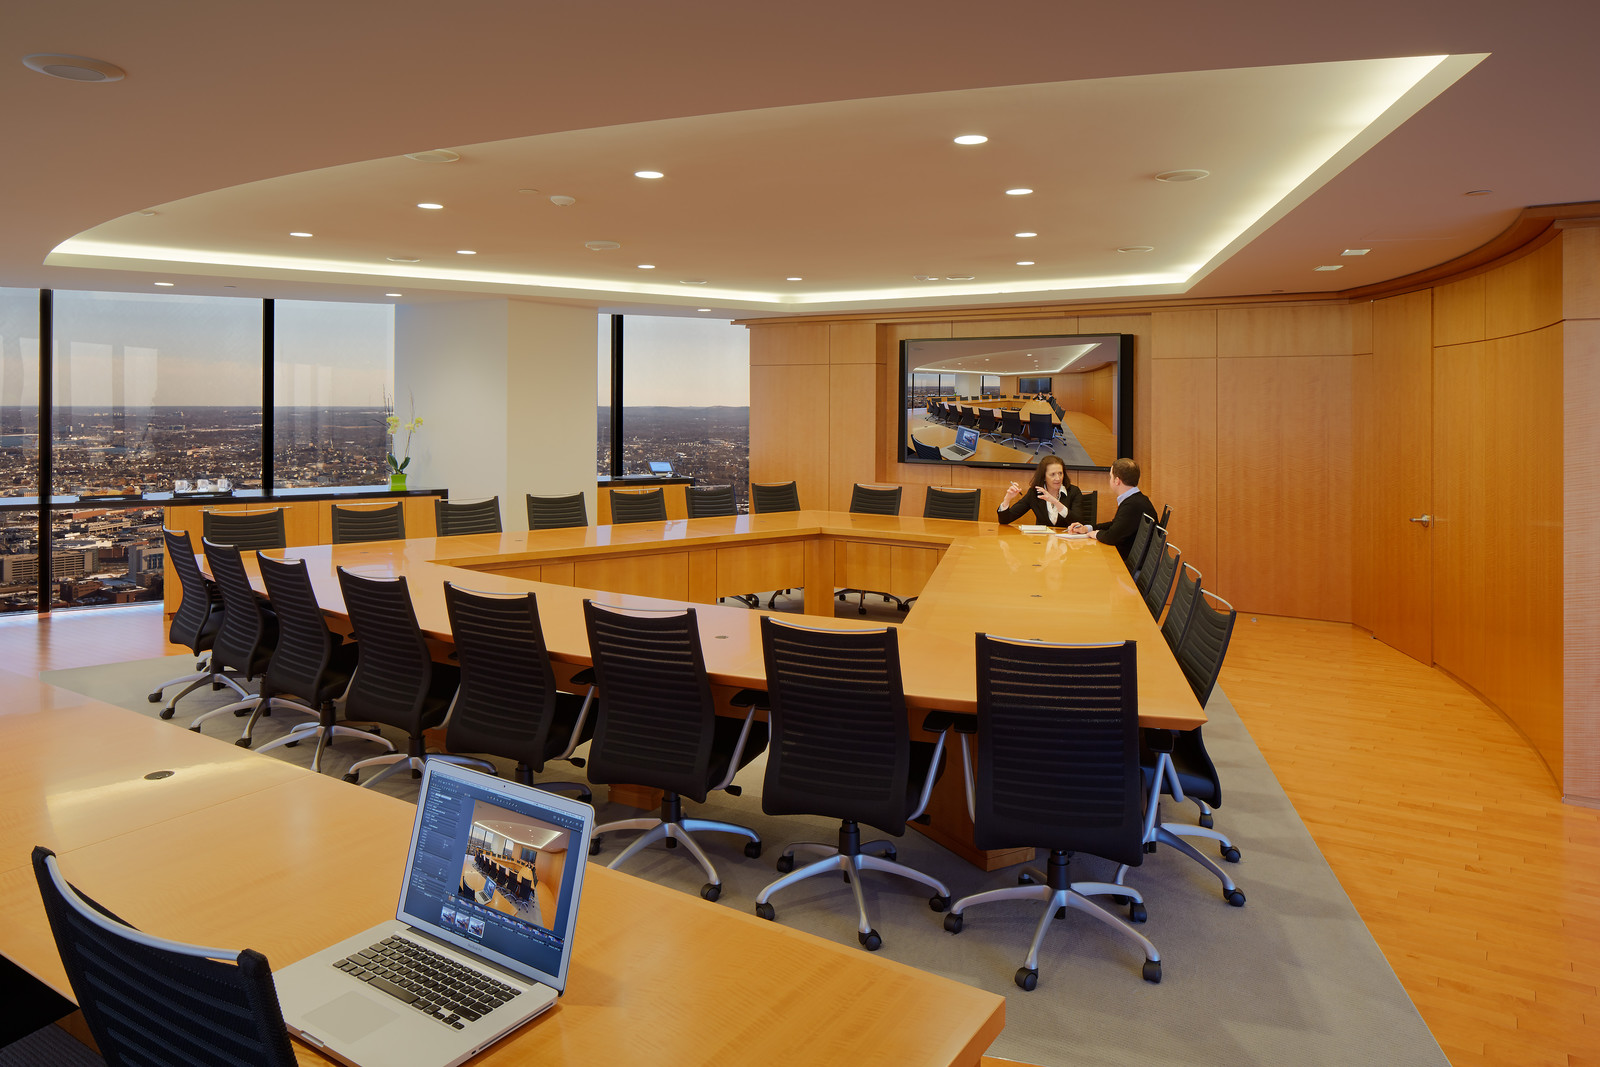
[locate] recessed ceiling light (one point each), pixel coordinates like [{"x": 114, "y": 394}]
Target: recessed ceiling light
[
  {"x": 465, "y": 252},
  {"x": 298, "y": 233},
  {"x": 402, "y": 259},
  {"x": 166, "y": 284},
  {"x": 792, "y": 278},
  {"x": 702, "y": 309},
  {"x": 1019, "y": 191},
  {"x": 431, "y": 207},
  {"x": 1137, "y": 248},
  {"x": 601, "y": 246},
  {"x": 1330, "y": 266},
  {"x": 1355, "y": 251},
  {"x": 74, "y": 68},
  {"x": 971, "y": 138},
  {"x": 1024, "y": 262},
  {"x": 1025, "y": 233},
  {"x": 562, "y": 200},
  {"x": 147, "y": 214},
  {"x": 958, "y": 277},
  {"x": 651, "y": 174},
  {"x": 1182, "y": 175},
  {"x": 1477, "y": 192},
  {"x": 691, "y": 281},
  {"x": 393, "y": 294},
  {"x": 647, "y": 266},
  {"x": 527, "y": 190},
  {"x": 434, "y": 155}
]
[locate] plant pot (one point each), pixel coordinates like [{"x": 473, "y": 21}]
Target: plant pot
[{"x": 397, "y": 480}]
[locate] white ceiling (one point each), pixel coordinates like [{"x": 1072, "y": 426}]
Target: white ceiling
[{"x": 812, "y": 142}]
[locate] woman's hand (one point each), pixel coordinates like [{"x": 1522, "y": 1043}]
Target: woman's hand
[
  {"x": 1012, "y": 492},
  {"x": 1042, "y": 494}
]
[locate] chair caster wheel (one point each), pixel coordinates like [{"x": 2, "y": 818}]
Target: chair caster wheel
[
  {"x": 785, "y": 863},
  {"x": 671, "y": 842},
  {"x": 1230, "y": 854},
  {"x": 953, "y": 922},
  {"x": 870, "y": 940},
  {"x": 766, "y": 911},
  {"x": 240, "y": 713},
  {"x": 154, "y": 698},
  {"x": 243, "y": 742},
  {"x": 216, "y": 686},
  {"x": 1024, "y": 878},
  {"x": 1207, "y": 821},
  {"x": 1027, "y": 979},
  {"x": 905, "y": 607},
  {"x": 862, "y": 610},
  {"x": 890, "y": 854},
  {"x": 841, "y": 597},
  {"x": 354, "y": 777},
  {"x": 1150, "y": 848},
  {"x": 752, "y": 849},
  {"x": 1234, "y": 897},
  {"x": 939, "y": 902},
  {"x": 1152, "y": 971},
  {"x": 166, "y": 713},
  {"x": 711, "y": 890},
  {"x": 594, "y": 846},
  {"x": 291, "y": 744},
  {"x": 1137, "y": 913}
]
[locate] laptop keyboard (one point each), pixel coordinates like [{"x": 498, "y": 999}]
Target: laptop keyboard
[{"x": 432, "y": 983}]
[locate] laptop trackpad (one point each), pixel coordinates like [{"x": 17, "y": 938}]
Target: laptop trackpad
[{"x": 351, "y": 1017}]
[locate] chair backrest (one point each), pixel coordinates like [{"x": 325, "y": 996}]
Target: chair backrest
[
  {"x": 245, "y": 530},
  {"x": 1089, "y": 507},
  {"x": 1058, "y": 749},
  {"x": 244, "y": 642},
  {"x": 875, "y": 500},
  {"x": 639, "y": 505},
  {"x": 773, "y": 496},
  {"x": 656, "y": 717},
  {"x": 1141, "y": 544},
  {"x": 710, "y": 501},
  {"x": 951, "y": 503},
  {"x": 353, "y": 525},
  {"x": 1181, "y": 609},
  {"x": 1146, "y": 575},
  {"x": 1162, "y": 572},
  {"x": 192, "y": 622},
  {"x": 987, "y": 421},
  {"x": 840, "y": 740},
  {"x": 507, "y": 699},
  {"x": 1041, "y": 426},
  {"x": 467, "y": 517},
  {"x": 557, "y": 512},
  {"x": 150, "y": 1000},
  {"x": 924, "y": 451},
  {"x": 1166, "y": 517},
  {"x": 1205, "y": 644},
  {"x": 1011, "y": 421},
  {"x": 969, "y": 418},
  {"x": 300, "y": 662},
  {"x": 395, "y": 673}
]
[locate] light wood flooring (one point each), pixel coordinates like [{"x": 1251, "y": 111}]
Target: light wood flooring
[{"x": 1480, "y": 886}]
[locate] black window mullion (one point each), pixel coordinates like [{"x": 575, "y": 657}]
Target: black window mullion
[{"x": 47, "y": 433}]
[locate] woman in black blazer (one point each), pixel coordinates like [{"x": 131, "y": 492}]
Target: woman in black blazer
[{"x": 1051, "y": 498}]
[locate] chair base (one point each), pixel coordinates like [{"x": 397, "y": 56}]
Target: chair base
[
  {"x": 252, "y": 705},
  {"x": 672, "y": 827},
  {"x": 1173, "y": 834},
  {"x": 324, "y": 735},
  {"x": 861, "y": 599},
  {"x": 191, "y": 682},
  {"x": 399, "y": 761}
]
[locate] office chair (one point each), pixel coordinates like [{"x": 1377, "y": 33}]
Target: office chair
[
  {"x": 247, "y": 531},
  {"x": 1166, "y": 517},
  {"x": 451, "y": 518},
  {"x": 716, "y": 502},
  {"x": 1011, "y": 425},
  {"x": 841, "y": 749},
  {"x": 396, "y": 683},
  {"x": 766, "y": 497},
  {"x": 508, "y": 704},
  {"x": 249, "y": 630},
  {"x": 941, "y": 503},
  {"x": 1153, "y": 556},
  {"x": 1162, "y": 573},
  {"x": 311, "y": 666},
  {"x": 658, "y": 727},
  {"x": 873, "y": 500},
  {"x": 194, "y": 624},
  {"x": 988, "y": 424},
  {"x": 638, "y": 505},
  {"x": 1058, "y": 768},
  {"x": 1181, "y": 609},
  {"x": 557, "y": 512},
  {"x": 923, "y": 451},
  {"x": 1088, "y": 508},
  {"x": 1042, "y": 429},
  {"x": 355, "y": 525},
  {"x": 1140, "y": 546},
  {"x": 148, "y": 1000},
  {"x": 969, "y": 418}
]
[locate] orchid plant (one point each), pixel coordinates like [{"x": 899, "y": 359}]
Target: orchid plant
[{"x": 396, "y": 427}]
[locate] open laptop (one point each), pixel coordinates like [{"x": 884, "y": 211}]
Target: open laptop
[
  {"x": 481, "y": 938},
  {"x": 966, "y": 444}
]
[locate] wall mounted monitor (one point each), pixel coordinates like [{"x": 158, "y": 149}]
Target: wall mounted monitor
[{"x": 1025, "y": 397}]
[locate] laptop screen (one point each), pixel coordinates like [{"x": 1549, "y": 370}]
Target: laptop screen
[
  {"x": 967, "y": 437},
  {"x": 496, "y": 868}
]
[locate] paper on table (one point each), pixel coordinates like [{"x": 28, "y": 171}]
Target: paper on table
[{"x": 1033, "y": 529}]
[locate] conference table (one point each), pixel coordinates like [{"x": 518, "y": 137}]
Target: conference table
[
  {"x": 969, "y": 577},
  {"x": 138, "y": 810}
]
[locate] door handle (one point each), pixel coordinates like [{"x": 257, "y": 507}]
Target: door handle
[{"x": 1426, "y": 520}]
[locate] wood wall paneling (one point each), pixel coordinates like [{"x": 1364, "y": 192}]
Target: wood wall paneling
[
  {"x": 1183, "y": 449},
  {"x": 1524, "y": 294},
  {"x": 1393, "y": 457},
  {"x": 1581, "y": 550},
  {"x": 853, "y": 342},
  {"x": 1361, "y": 327},
  {"x": 1183, "y": 334},
  {"x": 853, "y": 423},
  {"x": 1302, "y": 330},
  {"x": 1099, "y": 388},
  {"x": 1458, "y": 312},
  {"x": 1015, "y": 327},
  {"x": 659, "y": 574},
  {"x": 787, "y": 343},
  {"x": 789, "y": 425},
  {"x": 1283, "y": 484},
  {"x": 1580, "y": 272},
  {"x": 1139, "y": 326}
]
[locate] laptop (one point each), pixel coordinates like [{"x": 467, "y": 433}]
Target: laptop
[
  {"x": 481, "y": 939},
  {"x": 966, "y": 444}
]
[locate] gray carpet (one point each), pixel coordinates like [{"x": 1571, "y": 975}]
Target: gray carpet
[{"x": 1293, "y": 977}]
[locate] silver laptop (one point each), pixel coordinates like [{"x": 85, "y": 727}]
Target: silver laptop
[
  {"x": 481, "y": 939},
  {"x": 966, "y": 444}
]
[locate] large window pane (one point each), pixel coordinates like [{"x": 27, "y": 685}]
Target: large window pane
[
  {"x": 19, "y": 560},
  {"x": 19, "y": 392},
  {"x": 686, "y": 399},
  {"x": 602, "y": 453},
  {"x": 334, "y": 372}
]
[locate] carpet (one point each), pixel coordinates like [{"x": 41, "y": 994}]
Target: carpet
[{"x": 1293, "y": 977}]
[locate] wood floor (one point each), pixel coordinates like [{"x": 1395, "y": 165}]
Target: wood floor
[{"x": 1482, "y": 889}]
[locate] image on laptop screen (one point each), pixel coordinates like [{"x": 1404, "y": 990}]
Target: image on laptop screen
[
  {"x": 495, "y": 874},
  {"x": 967, "y": 438}
]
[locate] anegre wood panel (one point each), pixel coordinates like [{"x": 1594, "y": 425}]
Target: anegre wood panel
[
  {"x": 789, "y": 416},
  {"x": 1581, "y": 550},
  {"x": 788, "y": 343},
  {"x": 1458, "y": 312},
  {"x": 852, "y": 430},
  {"x": 1297, "y": 330},
  {"x": 1016, "y": 327},
  {"x": 1525, "y": 294},
  {"x": 1183, "y": 458},
  {"x": 661, "y": 574},
  {"x": 1189, "y": 334}
]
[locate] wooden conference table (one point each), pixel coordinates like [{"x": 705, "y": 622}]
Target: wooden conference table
[
  {"x": 969, "y": 577},
  {"x": 657, "y": 976}
]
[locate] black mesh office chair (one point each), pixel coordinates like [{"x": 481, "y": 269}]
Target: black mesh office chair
[
  {"x": 396, "y": 683},
  {"x": 249, "y": 630},
  {"x": 148, "y": 1000},
  {"x": 1153, "y": 556},
  {"x": 1181, "y": 609},
  {"x": 557, "y": 512},
  {"x": 311, "y": 667},
  {"x": 355, "y": 525},
  {"x": 766, "y": 497},
  {"x": 942, "y": 503},
  {"x": 988, "y": 424},
  {"x": 922, "y": 451},
  {"x": 638, "y": 505},
  {"x": 873, "y": 500},
  {"x": 1058, "y": 768},
  {"x": 1042, "y": 429},
  {"x": 1140, "y": 548},
  {"x": 1011, "y": 425},
  {"x": 248, "y": 531},
  {"x": 451, "y": 518},
  {"x": 716, "y": 502},
  {"x": 508, "y": 704},
  {"x": 1162, "y": 573},
  {"x": 1089, "y": 508},
  {"x": 194, "y": 624},
  {"x": 841, "y": 749},
  {"x": 658, "y": 727}
]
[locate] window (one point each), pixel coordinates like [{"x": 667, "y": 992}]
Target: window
[
  {"x": 333, "y": 376},
  {"x": 19, "y": 392},
  {"x": 602, "y": 421},
  {"x": 990, "y": 385}
]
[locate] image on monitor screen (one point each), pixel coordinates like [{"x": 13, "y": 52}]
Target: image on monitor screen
[
  {"x": 1020, "y": 398},
  {"x": 513, "y": 866}
]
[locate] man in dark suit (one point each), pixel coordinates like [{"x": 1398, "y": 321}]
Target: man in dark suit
[{"x": 1131, "y": 504}]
